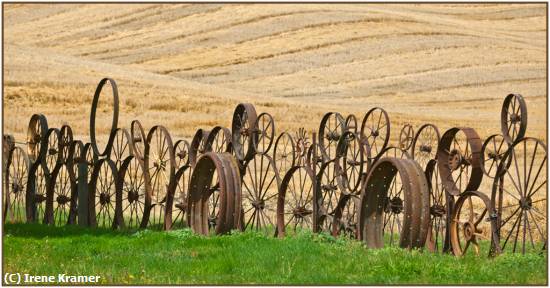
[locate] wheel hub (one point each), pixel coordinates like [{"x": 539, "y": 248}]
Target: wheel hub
[
  {"x": 394, "y": 205},
  {"x": 104, "y": 199},
  {"x": 16, "y": 188},
  {"x": 375, "y": 133},
  {"x": 329, "y": 187},
  {"x": 426, "y": 148},
  {"x": 455, "y": 159},
  {"x": 133, "y": 195},
  {"x": 515, "y": 118},
  {"x": 62, "y": 199},
  {"x": 160, "y": 164},
  {"x": 469, "y": 230},
  {"x": 438, "y": 210},
  {"x": 493, "y": 156},
  {"x": 181, "y": 154},
  {"x": 333, "y": 135},
  {"x": 301, "y": 212},
  {"x": 258, "y": 204},
  {"x": 39, "y": 198},
  {"x": 52, "y": 151},
  {"x": 526, "y": 203}
]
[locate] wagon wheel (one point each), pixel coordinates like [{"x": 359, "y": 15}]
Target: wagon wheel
[
  {"x": 76, "y": 151},
  {"x": 352, "y": 161},
  {"x": 295, "y": 210},
  {"x": 425, "y": 144},
  {"x": 244, "y": 131},
  {"x": 284, "y": 154},
  {"x": 330, "y": 187},
  {"x": 314, "y": 159},
  {"x": 53, "y": 159},
  {"x": 459, "y": 160},
  {"x": 198, "y": 145},
  {"x": 35, "y": 201},
  {"x": 181, "y": 154},
  {"x": 122, "y": 147},
  {"x": 160, "y": 165},
  {"x": 513, "y": 118},
  {"x": 332, "y": 127},
  {"x": 61, "y": 206},
  {"x": 519, "y": 196},
  {"x": 438, "y": 240},
  {"x": 302, "y": 143},
  {"x": 218, "y": 140},
  {"x": 138, "y": 137},
  {"x": 471, "y": 224},
  {"x": 351, "y": 123},
  {"x": 179, "y": 212},
  {"x": 260, "y": 190},
  {"x": 492, "y": 151},
  {"x": 406, "y": 137},
  {"x": 134, "y": 196},
  {"x": 90, "y": 158},
  {"x": 266, "y": 133},
  {"x": 103, "y": 106},
  {"x": 345, "y": 216},
  {"x": 65, "y": 141},
  {"x": 16, "y": 182},
  {"x": 375, "y": 128},
  {"x": 36, "y": 138},
  {"x": 104, "y": 205}
]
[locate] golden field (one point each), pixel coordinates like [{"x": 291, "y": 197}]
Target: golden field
[{"x": 187, "y": 66}]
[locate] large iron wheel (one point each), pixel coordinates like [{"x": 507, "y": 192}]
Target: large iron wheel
[
  {"x": 103, "y": 106},
  {"x": 180, "y": 210},
  {"x": 351, "y": 123},
  {"x": 218, "y": 140}
]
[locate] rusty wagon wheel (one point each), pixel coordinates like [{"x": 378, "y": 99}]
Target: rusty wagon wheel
[
  {"x": 91, "y": 159},
  {"x": 513, "y": 118},
  {"x": 122, "y": 147},
  {"x": 35, "y": 201},
  {"x": 492, "y": 151},
  {"x": 425, "y": 144},
  {"x": 260, "y": 190},
  {"x": 18, "y": 165},
  {"x": 179, "y": 212},
  {"x": 284, "y": 154},
  {"x": 520, "y": 197},
  {"x": 437, "y": 240},
  {"x": 53, "y": 158},
  {"x": 375, "y": 128},
  {"x": 104, "y": 205},
  {"x": 473, "y": 221},
  {"x": 331, "y": 129},
  {"x": 352, "y": 161},
  {"x": 61, "y": 199},
  {"x": 345, "y": 220},
  {"x": 406, "y": 137},
  {"x": 65, "y": 141},
  {"x": 198, "y": 145},
  {"x": 76, "y": 151},
  {"x": 266, "y": 133},
  {"x": 201, "y": 187},
  {"x": 114, "y": 108},
  {"x": 295, "y": 207},
  {"x": 351, "y": 123},
  {"x": 218, "y": 140},
  {"x": 314, "y": 158},
  {"x": 302, "y": 143},
  {"x": 459, "y": 160},
  {"x": 134, "y": 196},
  {"x": 330, "y": 187},
  {"x": 36, "y": 138},
  {"x": 139, "y": 139},
  {"x": 244, "y": 132},
  {"x": 181, "y": 154},
  {"x": 160, "y": 165}
]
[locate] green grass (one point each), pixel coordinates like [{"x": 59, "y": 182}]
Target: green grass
[{"x": 180, "y": 257}]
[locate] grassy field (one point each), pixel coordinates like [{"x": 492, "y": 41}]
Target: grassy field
[{"x": 179, "y": 257}]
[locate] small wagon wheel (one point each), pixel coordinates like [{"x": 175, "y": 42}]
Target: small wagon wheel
[
  {"x": 16, "y": 183},
  {"x": 437, "y": 240},
  {"x": 492, "y": 151},
  {"x": 406, "y": 137},
  {"x": 65, "y": 141},
  {"x": 36, "y": 138},
  {"x": 375, "y": 128},
  {"x": 345, "y": 216},
  {"x": 134, "y": 196},
  {"x": 61, "y": 202},
  {"x": 513, "y": 118},
  {"x": 122, "y": 147},
  {"x": 104, "y": 204},
  {"x": 138, "y": 137},
  {"x": 160, "y": 165},
  {"x": 425, "y": 144},
  {"x": 352, "y": 161},
  {"x": 295, "y": 210},
  {"x": 114, "y": 108},
  {"x": 77, "y": 155},
  {"x": 37, "y": 186},
  {"x": 351, "y": 123},
  {"x": 473, "y": 221},
  {"x": 91, "y": 159},
  {"x": 459, "y": 160},
  {"x": 198, "y": 145},
  {"x": 218, "y": 140},
  {"x": 520, "y": 197},
  {"x": 244, "y": 131},
  {"x": 260, "y": 190},
  {"x": 284, "y": 154},
  {"x": 332, "y": 127},
  {"x": 179, "y": 212},
  {"x": 181, "y": 154},
  {"x": 330, "y": 187},
  {"x": 52, "y": 159},
  {"x": 266, "y": 133}
]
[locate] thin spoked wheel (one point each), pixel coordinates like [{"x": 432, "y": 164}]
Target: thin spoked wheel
[
  {"x": 438, "y": 240},
  {"x": 36, "y": 138},
  {"x": 351, "y": 123},
  {"x": 425, "y": 144},
  {"x": 331, "y": 129},
  {"x": 181, "y": 153},
  {"x": 104, "y": 209},
  {"x": 284, "y": 154},
  {"x": 76, "y": 151},
  {"x": 302, "y": 143},
  {"x": 62, "y": 197},
  {"x": 244, "y": 131},
  {"x": 65, "y": 141},
  {"x": 314, "y": 159},
  {"x": 139, "y": 139},
  {"x": 345, "y": 216},
  {"x": 16, "y": 182},
  {"x": 493, "y": 151},
  {"x": 90, "y": 158},
  {"x": 260, "y": 190},
  {"x": 266, "y": 133},
  {"x": 53, "y": 158},
  {"x": 218, "y": 140},
  {"x": 352, "y": 161},
  {"x": 134, "y": 194},
  {"x": 520, "y": 197},
  {"x": 406, "y": 137},
  {"x": 104, "y": 109},
  {"x": 160, "y": 166},
  {"x": 473, "y": 225},
  {"x": 375, "y": 129},
  {"x": 36, "y": 198},
  {"x": 513, "y": 118},
  {"x": 330, "y": 187},
  {"x": 122, "y": 147},
  {"x": 295, "y": 211},
  {"x": 179, "y": 212},
  {"x": 198, "y": 145}
]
